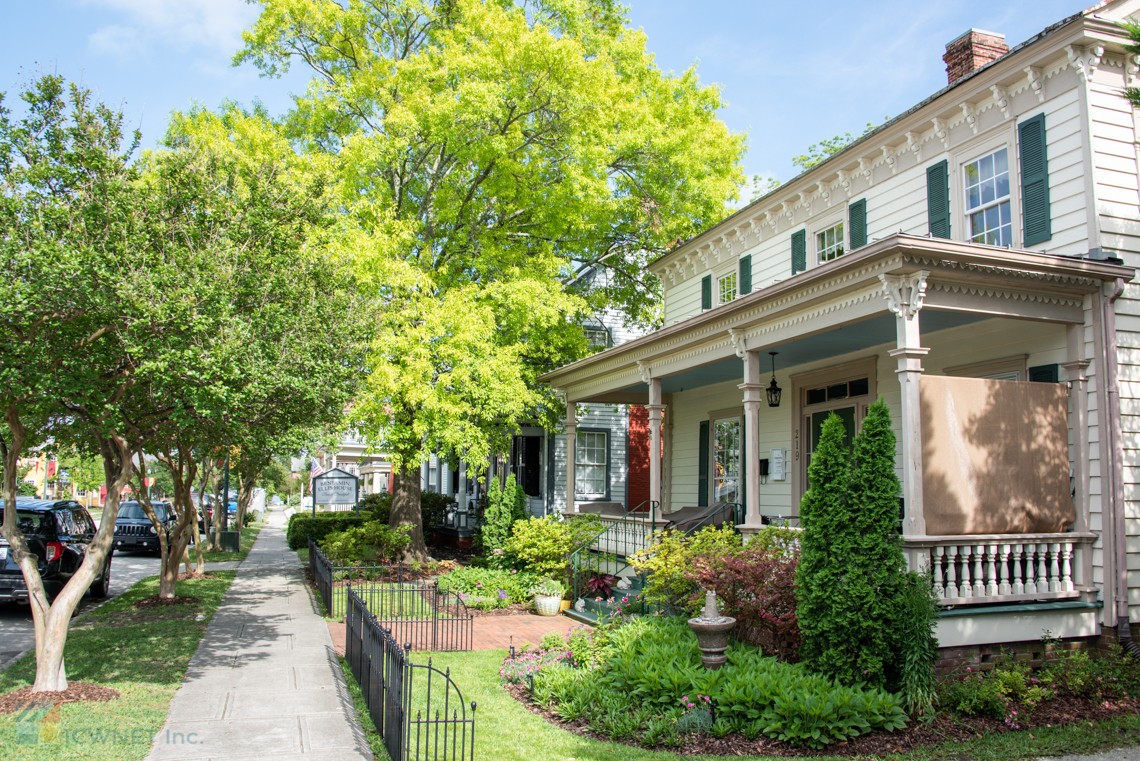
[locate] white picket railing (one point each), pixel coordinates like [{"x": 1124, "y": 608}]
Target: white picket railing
[{"x": 994, "y": 568}]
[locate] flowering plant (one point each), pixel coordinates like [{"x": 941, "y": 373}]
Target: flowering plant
[
  {"x": 516, "y": 670},
  {"x": 698, "y": 715}
]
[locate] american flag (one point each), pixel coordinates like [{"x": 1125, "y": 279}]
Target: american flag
[{"x": 314, "y": 471}]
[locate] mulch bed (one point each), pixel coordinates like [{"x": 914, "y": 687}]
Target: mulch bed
[
  {"x": 76, "y": 692},
  {"x": 518, "y": 609},
  {"x": 154, "y": 601},
  {"x": 196, "y": 575},
  {"x": 946, "y": 727}
]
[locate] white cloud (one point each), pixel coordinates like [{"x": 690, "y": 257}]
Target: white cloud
[{"x": 212, "y": 24}]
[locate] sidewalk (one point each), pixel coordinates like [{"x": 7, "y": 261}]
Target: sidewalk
[{"x": 265, "y": 682}]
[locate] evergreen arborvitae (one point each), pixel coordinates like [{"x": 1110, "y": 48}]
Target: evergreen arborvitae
[
  {"x": 852, "y": 566},
  {"x": 498, "y": 518}
]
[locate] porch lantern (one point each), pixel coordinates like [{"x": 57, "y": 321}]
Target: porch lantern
[{"x": 773, "y": 389}]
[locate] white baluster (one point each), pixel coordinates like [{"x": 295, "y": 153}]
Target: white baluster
[
  {"x": 1054, "y": 567},
  {"x": 979, "y": 578},
  {"x": 991, "y": 570},
  {"x": 1042, "y": 570},
  {"x": 1018, "y": 573},
  {"x": 1004, "y": 587},
  {"x": 951, "y": 572},
  {"x": 937, "y": 556},
  {"x": 965, "y": 587},
  {"x": 1066, "y": 567},
  {"x": 1030, "y": 570}
]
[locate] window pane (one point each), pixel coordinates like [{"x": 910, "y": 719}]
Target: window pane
[
  {"x": 973, "y": 197},
  {"x": 1004, "y": 213},
  {"x": 858, "y": 387},
  {"x": 837, "y": 391},
  {"x": 1001, "y": 162},
  {"x": 816, "y": 395},
  {"x": 829, "y": 243}
]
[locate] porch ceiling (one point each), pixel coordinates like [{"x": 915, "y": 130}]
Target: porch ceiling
[{"x": 875, "y": 331}]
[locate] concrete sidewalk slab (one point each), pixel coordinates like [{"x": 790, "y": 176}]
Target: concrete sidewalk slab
[{"x": 265, "y": 682}]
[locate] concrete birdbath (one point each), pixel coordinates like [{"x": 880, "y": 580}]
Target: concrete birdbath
[{"x": 712, "y": 631}]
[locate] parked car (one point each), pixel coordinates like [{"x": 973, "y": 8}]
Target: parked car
[
  {"x": 58, "y": 533},
  {"x": 133, "y": 529}
]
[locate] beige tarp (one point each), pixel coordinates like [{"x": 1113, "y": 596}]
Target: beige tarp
[{"x": 995, "y": 456}]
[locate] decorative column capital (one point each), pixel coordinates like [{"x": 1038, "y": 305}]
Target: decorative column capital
[
  {"x": 736, "y": 338},
  {"x": 1076, "y": 369},
  {"x": 905, "y": 293}
]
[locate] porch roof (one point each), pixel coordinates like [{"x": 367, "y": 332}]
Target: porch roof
[{"x": 840, "y": 307}]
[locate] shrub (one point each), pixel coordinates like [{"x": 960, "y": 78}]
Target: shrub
[
  {"x": 647, "y": 666},
  {"x": 486, "y": 582},
  {"x": 756, "y": 584},
  {"x": 543, "y": 545},
  {"x": 516, "y": 670},
  {"x": 505, "y": 505},
  {"x": 850, "y": 577},
  {"x": 378, "y": 506},
  {"x": 669, "y": 561},
  {"x": 917, "y": 645},
  {"x": 432, "y": 508},
  {"x": 318, "y": 527},
  {"x": 372, "y": 540}
]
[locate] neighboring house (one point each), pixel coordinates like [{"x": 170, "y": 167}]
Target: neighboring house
[
  {"x": 986, "y": 238},
  {"x": 353, "y": 456}
]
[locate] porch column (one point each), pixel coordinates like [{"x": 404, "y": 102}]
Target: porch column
[
  {"x": 571, "y": 439},
  {"x": 1075, "y": 368},
  {"x": 904, "y": 294},
  {"x": 667, "y": 475},
  {"x": 753, "y": 392},
  {"x": 655, "y": 408}
]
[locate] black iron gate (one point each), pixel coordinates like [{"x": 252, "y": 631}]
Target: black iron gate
[{"x": 394, "y": 688}]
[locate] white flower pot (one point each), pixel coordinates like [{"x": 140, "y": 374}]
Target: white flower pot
[{"x": 548, "y": 605}]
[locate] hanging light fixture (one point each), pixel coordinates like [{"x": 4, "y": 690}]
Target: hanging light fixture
[{"x": 773, "y": 390}]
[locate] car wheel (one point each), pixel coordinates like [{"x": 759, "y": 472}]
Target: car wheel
[{"x": 102, "y": 584}]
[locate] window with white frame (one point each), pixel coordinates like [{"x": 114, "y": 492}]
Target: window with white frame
[
  {"x": 596, "y": 336},
  {"x": 590, "y": 476},
  {"x": 986, "y": 184},
  {"x": 727, "y": 288},
  {"x": 829, "y": 243}
]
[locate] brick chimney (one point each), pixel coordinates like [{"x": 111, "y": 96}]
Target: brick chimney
[{"x": 972, "y": 51}]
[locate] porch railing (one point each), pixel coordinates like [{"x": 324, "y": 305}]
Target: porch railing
[
  {"x": 608, "y": 551},
  {"x": 991, "y": 568}
]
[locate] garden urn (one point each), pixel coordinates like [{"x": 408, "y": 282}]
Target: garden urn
[{"x": 712, "y": 631}]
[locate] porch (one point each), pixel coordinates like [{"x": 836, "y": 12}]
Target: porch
[{"x": 996, "y": 472}]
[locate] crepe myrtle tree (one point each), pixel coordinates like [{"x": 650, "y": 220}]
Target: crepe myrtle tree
[{"x": 487, "y": 156}]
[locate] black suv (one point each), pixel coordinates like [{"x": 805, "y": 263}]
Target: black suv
[
  {"x": 133, "y": 529},
  {"x": 58, "y": 533}
]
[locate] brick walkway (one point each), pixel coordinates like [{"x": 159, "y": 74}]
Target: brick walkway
[{"x": 492, "y": 632}]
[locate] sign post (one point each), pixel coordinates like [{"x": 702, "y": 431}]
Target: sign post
[{"x": 335, "y": 487}]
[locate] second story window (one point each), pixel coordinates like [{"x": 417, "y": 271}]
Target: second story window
[
  {"x": 727, "y": 288},
  {"x": 829, "y": 243},
  {"x": 597, "y": 336},
  {"x": 987, "y": 200}
]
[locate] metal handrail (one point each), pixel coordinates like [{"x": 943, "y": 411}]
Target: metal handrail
[
  {"x": 737, "y": 517},
  {"x": 626, "y": 537}
]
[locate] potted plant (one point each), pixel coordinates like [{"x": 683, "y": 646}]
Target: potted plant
[{"x": 548, "y": 597}]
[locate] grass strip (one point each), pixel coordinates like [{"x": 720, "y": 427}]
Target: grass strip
[
  {"x": 374, "y": 740},
  {"x": 142, "y": 653},
  {"x": 506, "y": 730},
  {"x": 248, "y": 536}
]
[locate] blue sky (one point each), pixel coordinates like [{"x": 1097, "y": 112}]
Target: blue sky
[{"x": 793, "y": 73}]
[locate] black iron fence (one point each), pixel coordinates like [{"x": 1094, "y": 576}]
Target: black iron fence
[
  {"x": 416, "y": 610},
  {"x": 394, "y": 689}
]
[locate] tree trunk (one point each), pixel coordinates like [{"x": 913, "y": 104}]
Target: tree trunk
[
  {"x": 245, "y": 496},
  {"x": 406, "y": 511}
]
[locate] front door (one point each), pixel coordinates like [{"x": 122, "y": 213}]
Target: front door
[{"x": 815, "y": 424}]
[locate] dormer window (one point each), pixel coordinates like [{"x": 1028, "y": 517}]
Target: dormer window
[
  {"x": 726, "y": 287},
  {"x": 597, "y": 336}
]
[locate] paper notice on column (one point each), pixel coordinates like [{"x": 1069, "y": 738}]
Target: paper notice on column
[{"x": 776, "y": 461}]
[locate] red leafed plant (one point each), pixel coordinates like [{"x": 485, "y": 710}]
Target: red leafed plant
[
  {"x": 599, "y": 584},
  {"x": 757, "y": 586}
]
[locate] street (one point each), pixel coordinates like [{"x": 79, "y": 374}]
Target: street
[{"x": 16, "y": 631}]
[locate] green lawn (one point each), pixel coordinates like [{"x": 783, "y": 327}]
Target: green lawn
[
  {"x": 382, "y": 603},
  {"x": 141, "y": 653},
  {"x": 506, "y": 731},
  {"x": 248, "y": 535}
]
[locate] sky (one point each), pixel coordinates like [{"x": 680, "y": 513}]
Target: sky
[{"x": 792, "y": 73}]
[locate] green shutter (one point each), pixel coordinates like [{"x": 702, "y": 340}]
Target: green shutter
[
  {"x": 1045, "y": 374},
  {"x": 706, "y": 292},
  {"x": 745, "y": 274},
  {"x": 799, "y": 251},
  {"x": 703, "y": 466},
  {"x": 938, "y": 199},
  {"x": 857, "y": 223},
  {"x": 1034, "y": 181}
]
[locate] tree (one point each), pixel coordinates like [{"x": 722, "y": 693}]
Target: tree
[
  {"x": 850, "y": 580},
  {"x": 84, "y": 470},
  {"x": 825, "y": 149},
  {"x": 487, "y": 156}
]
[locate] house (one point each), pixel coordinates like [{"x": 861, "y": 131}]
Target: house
[{"x": 972, "y": 262}]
